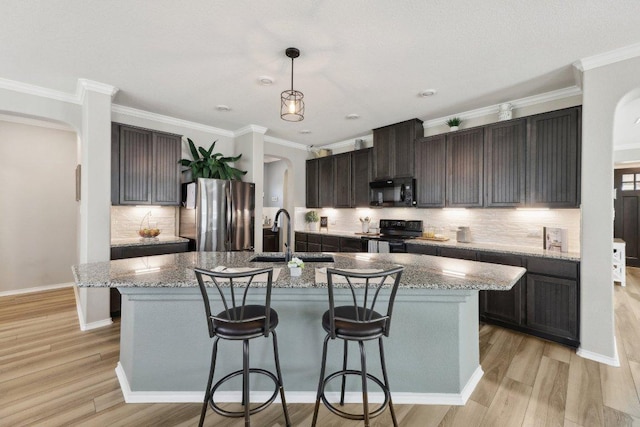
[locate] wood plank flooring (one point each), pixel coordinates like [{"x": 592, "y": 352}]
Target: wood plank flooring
[{"x": 52, "y": 374}]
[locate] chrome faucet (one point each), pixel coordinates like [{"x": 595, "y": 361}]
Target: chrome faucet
[{"x": 275, "y": 229}]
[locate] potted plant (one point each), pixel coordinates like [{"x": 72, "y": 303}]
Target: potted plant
[
  {"x": 295, "y": 266},
  {"x": 312, "y": 218},
  {"x": 206, "y": 164},
  {"x": 454, "y": 123}
]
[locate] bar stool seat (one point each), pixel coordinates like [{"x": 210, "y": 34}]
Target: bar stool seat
[
  {"x": 240, "y": 321},
  {"x": 358, "y": 322}
]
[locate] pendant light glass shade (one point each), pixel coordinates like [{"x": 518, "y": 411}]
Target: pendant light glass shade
[{"x": 291, "y": 103}]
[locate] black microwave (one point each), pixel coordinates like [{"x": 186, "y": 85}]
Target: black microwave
[{"x": 397, "y": 192}]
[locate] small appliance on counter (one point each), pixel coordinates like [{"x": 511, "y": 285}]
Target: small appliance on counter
[
  {"x": 393, "y": 234},
  {"x": 463, "y": 235}
]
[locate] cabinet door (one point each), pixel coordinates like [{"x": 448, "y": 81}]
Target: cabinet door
[
  {"x": 422, "y": 249},
  {"x": 342, "y": 180},
  {"x": 382, "y": 152},
  {"x": 503, "y": 306},
  {"x": 465, "y": 168},
  {"x": 136, "y": 151},
  {"x": 505, "y": 167},
  {"x": 430, "y": 168},
  {"x": 404, "y": 146},
  {"x": 552, "y": 306},
  {"x": 300, "y": 242},
  {"x": 325, "y": 182},
  {"x": 458, "y": 253},
  {"x": 312, "y": 200},
  {"x": 554, "y": 159},
  {"x": 270, "y": 240},
  {"x": 348, "y": 244},
  {"x": 360, "y": 177},
  {"x": 166, "y": 170},
  {"x": 330, "y": 244}
]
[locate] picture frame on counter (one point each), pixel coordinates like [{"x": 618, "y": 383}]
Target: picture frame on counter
[
  {"x": 555, "y": 239},
  {"x": 324, "y": 223}
]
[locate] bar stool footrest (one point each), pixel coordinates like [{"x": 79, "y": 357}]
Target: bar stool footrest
[
  {"x": 348, "y": 415},
  {"x": 213, "y": 405}
]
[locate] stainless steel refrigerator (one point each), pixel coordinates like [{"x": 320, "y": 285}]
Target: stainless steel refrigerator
[{"x": 219, "y": 215}]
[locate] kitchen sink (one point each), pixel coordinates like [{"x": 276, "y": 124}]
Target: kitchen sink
[{"x": 280, "y": 258}]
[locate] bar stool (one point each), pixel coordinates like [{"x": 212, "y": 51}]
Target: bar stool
[
  {"x": 358, "y": 322},
  {"x": 240, "y": 322}
]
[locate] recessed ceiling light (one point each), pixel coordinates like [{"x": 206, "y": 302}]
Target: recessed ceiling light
[
  {"x": 222, "y": 107},
  {"x": 352, "y": 116},
  {"x": 265, "y": 80},
  {"x": 427, "y": 93},
  {"x": 305, "y": 131}
]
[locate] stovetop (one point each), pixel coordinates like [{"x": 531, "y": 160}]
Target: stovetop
[{"x": 400, "y": 229}]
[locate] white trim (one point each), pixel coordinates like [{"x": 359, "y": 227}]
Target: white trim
[
  {"x": 250, "y": 129},
  {"x": 36, "y": 289},
  {"x": 134, "y": 112},
  {"x": 286, "y": 143},
  {"x": 36, "y": 122},
  {"x": 88, "y": 326},
  {"x": 39, "y": 91},
  {"x": 518, "y": 103},
  {"x": 85, "y": 85},
  {"x": 607, "y": 360},
  {"x": 607, "y": 58},
  {"x": 347, "y": 142},
  {"x": 621, "y": 147},
  {"x": 458, "y": 399}
]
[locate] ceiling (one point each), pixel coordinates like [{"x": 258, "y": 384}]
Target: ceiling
[{"x": 365, "y": 57}]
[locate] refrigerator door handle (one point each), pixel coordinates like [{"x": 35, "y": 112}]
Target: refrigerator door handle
[{"x": 229, "y": 218}]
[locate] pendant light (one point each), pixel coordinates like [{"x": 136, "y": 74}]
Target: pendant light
[{"x": 291, "y": 103}]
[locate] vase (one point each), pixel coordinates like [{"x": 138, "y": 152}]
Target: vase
[
  {"x": 452, "y": 128},
  {"x": 365, "y": 227},
  {"x": 313, "y": 226},
  {"x": 295, "y": 271}
]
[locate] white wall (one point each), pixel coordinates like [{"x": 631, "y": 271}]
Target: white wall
[
  {"x": 274, "y": 183},
  {"x": 38, "y": 220}
]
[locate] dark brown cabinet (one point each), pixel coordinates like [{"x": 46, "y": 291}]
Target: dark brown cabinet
[
  {"x": 505, "y": 164},
  {"x": 312, "y": 184},
  {"x": 393, "y": 149},
  {"x": 325, "y": 181},
  {"x": 300, "y": 242},
  {"x": 458, "y": 253},
  {"x": 342, "y": 180},
  {"x": 313, "y": 242},
  {"x": 503, "y": 307},
  {"x": 330, "y": 243},
  {"x": 465, "y": 168},
  {"x": 430, "y": 169},
  {"x": 554, "y": 158},
  {"x": 144, "y": 167},
  {"x": 360, "y": 177},
  {"x": 270, "y": 240},
  {"x": 351, "y": 244}
]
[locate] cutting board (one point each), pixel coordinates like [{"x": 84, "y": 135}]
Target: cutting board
[
  {"x": 367, "y": 234},
  {"x": 434, "y": 239}
]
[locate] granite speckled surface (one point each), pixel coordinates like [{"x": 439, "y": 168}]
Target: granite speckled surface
[
  {"x": 488, "y": 247},
  {"x": 176, "y": 270},
  {"x": 139, "y": 241}
]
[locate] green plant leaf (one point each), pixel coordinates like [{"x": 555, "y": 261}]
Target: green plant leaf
[
  {"x": 203, "y": 152},
  {"x": 210, "y": 150},
  {"x": 192, "y": 148}
]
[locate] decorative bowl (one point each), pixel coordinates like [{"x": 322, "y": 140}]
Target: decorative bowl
[{"x": 148, "y": 232}]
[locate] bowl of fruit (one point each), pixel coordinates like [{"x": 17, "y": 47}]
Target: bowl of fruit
[{"x": 149, "y": 233}]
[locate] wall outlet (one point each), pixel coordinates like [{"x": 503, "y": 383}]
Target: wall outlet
[{"x": 534, "y": 232}]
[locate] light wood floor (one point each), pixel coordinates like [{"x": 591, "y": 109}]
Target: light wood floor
[{"x": 53, "y": 374}]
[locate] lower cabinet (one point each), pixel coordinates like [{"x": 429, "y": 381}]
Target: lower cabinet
[
  {"x": 300, "y": 242},
  {"x": 545, "y": 302},
  {"x": 269, "y": 240},
  {"x": 351, "y": 244},
  {"x": 312, "y": 242}
]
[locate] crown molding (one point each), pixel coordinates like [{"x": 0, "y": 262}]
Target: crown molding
[
  {"x": 36, "y": 122},
  {"x": 85, "y": 85},
  {"x": 286, "y": 143},
  {"x": 250, "y": 129},
  {"x": 607, "y": 58},
  {"x": 517, "y": 103},
  {"x": 346, "y": 143},
  {"x": 30, "y": 89},
  {"x": 141, "y": 114}
]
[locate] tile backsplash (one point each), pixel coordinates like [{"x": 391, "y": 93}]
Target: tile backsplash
[
  {"x": 501, "y": 226},
  {"x": 125, "y": 220}
]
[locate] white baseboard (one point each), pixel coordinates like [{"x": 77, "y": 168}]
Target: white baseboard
[
  {"x": 88, "y": 326},
  {"x": 36, "y": 289},
  {"x": 297, "y": 396},
  {"x": 597, "y": 357}
]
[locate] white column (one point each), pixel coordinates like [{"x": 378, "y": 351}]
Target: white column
[{"x": 95, "y": 204}]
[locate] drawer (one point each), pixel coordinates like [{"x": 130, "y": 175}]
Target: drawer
[
  {"x": 350, "y": 245},
  {"x": 314, "y": 238},
  {"x": 148, "y": 250},
  {"x": 553, "y": 267},
  {"x": 458, "y": 253},
  {"x": 331, "y": 241},
  {"x": 501, "y": 259},
  {"x": 422, "y": 249}
]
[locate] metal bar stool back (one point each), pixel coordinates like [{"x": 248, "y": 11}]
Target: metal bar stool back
[
  {"x": 368, "y": 317},
  {"x": 240, "y": 321}
]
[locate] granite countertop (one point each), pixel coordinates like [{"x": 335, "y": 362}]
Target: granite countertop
[
  {"x": 176, "y": 270},
  {"x": 489, "y": 247},
  {"x": 139, "y": 241}
]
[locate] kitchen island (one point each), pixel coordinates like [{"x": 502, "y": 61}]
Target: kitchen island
[{"x": 432, "y": 352}]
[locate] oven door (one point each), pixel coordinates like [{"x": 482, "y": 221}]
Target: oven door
[{"x": 381, "y": 245}]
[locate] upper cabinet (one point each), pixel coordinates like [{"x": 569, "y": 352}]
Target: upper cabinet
[
  {"x": 431, "y": 171},
  {"x": 360, "y": 177},
  {"x": 393, "y": 149},
  {"x": 325, "y": 181},
  {"x": 465, "y": 168},
  {"x": 554, "y": 158},
  {"x": 505, "y": 163},
  {"x": 144, "y": 166},
  {"x": 312, "y": 200},
  {"x": 342, "y": 180}
]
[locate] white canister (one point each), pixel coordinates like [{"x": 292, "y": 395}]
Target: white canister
[{"x": 504, "y": 111}]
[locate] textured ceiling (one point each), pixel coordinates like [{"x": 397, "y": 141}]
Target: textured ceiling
[{"x": 371, "y": 57}]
